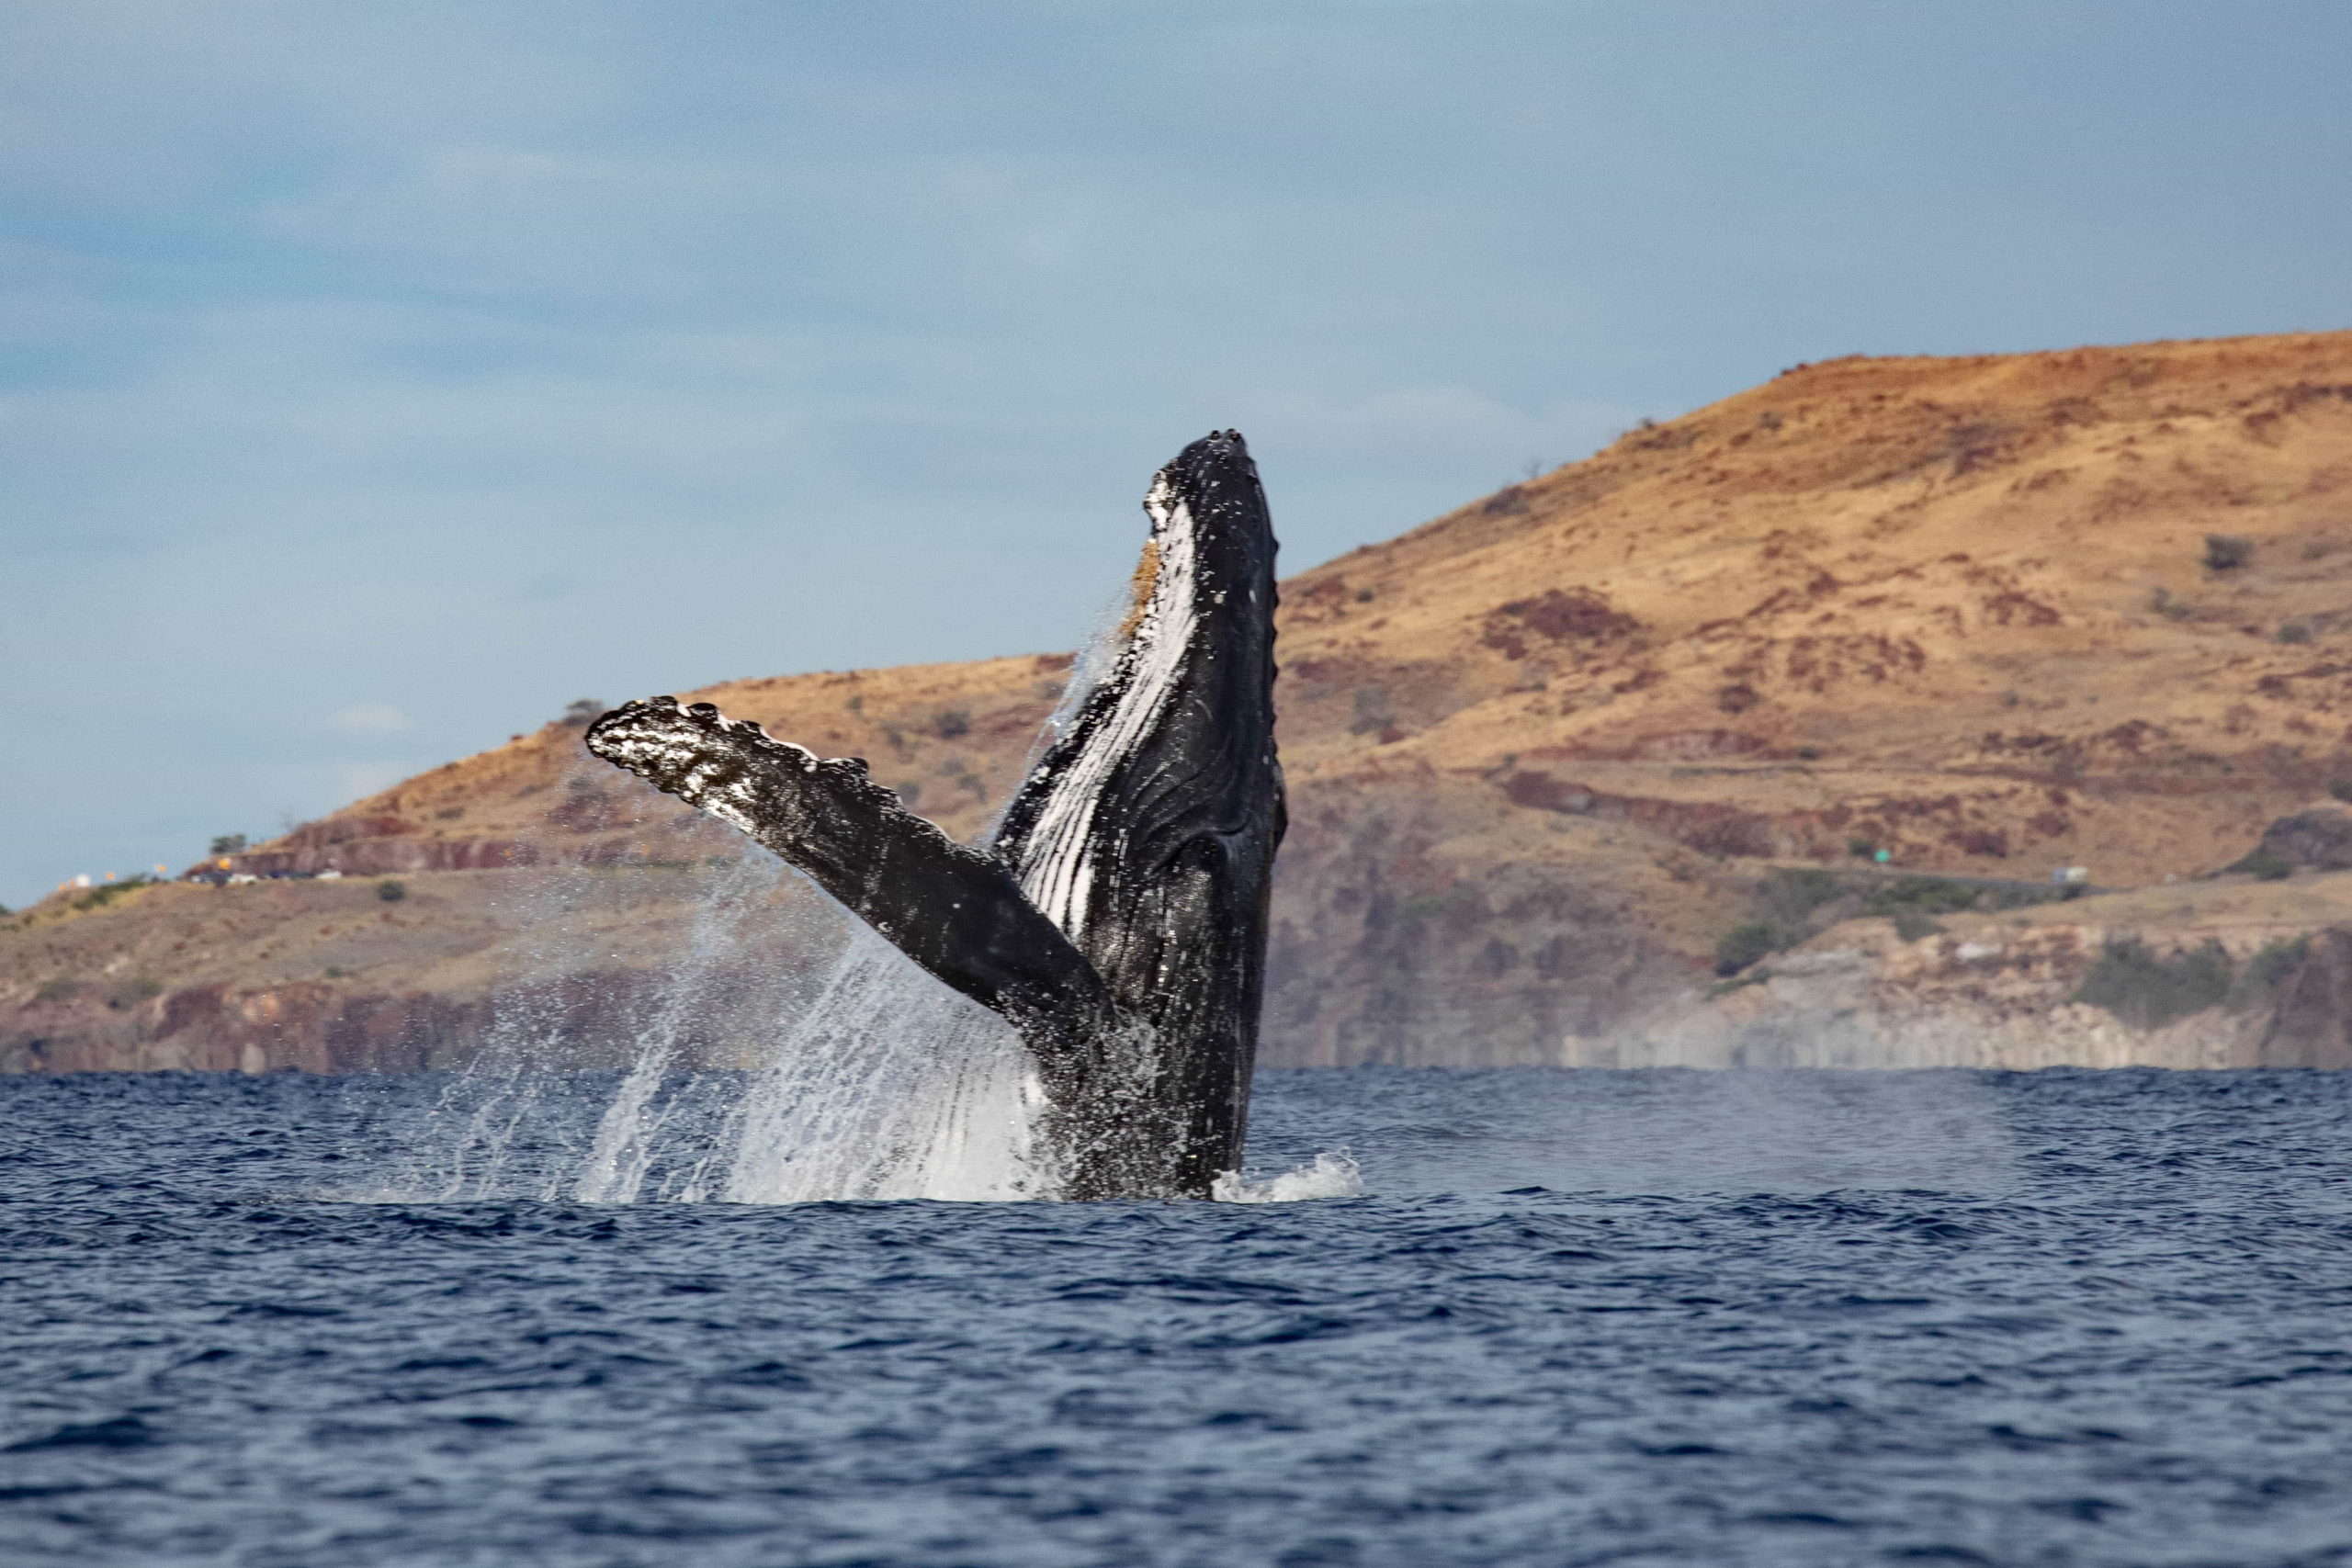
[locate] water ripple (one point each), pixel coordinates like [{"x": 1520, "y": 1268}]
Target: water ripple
[{"x": 2060, "y": 1318}]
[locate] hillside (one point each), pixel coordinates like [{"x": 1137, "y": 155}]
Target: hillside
[{"x": 1542, "y": 750}]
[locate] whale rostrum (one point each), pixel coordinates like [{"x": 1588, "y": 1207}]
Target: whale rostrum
[{"x": 1117, "y": 917}]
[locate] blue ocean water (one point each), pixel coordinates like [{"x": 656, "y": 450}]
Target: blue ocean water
[{"x": 1574, "y": 1318}]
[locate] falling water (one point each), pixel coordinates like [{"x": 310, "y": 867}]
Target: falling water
[
  {"x": 629, "y": 1136},
  {"x": 889, "y": 1086},
  {"x": 755, "y": 1074},
  {"x": 857, "y": 1077}
]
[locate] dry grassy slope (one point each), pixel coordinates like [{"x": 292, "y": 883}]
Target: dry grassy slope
[
  {"x": 949, "y": 737},
  {"x": 1913, "y": 601},
  {"x": 1957, "y": 607}
]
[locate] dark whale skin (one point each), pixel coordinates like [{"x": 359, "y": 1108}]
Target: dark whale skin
[
  {"x": 1118, "y": 918},
  {"x": 956, "y": 911},
  {"x": 1170, "y": 761}
]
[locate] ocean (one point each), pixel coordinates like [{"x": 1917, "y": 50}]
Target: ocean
[{"x": 1474, "y": 1317}]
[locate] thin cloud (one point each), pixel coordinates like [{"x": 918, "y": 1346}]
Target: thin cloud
[{"x": 372, "y": 719}]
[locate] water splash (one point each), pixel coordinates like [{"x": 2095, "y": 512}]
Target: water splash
[
  {"x": 1331, "y": 1174},
  {"x": 650, "y": 1112},
  {"x": 755, "y": 1072},
  {"x": 889, "y": 1086}
]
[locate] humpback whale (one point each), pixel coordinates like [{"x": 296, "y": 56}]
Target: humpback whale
[{"x": 1116, "y": 917}]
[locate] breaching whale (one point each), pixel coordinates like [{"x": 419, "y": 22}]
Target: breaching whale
[{"x": 1116, "y": 918}]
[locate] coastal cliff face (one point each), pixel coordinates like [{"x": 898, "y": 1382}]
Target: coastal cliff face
[
  {"x": 2227, "y": 976},
  {"x": 1990, "y": 615}
]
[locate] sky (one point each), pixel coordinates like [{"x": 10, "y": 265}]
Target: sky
[{"x": 377, "y": 378}]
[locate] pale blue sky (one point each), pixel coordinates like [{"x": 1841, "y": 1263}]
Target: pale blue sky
[{"x": 377, "y": 378}]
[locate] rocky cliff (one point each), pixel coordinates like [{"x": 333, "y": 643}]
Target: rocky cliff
[{"x": 1989, "y": 615}]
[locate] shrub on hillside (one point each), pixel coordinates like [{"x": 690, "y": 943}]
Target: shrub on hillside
[
  {"x": 1910, "y": 925},
  {"x": 2227, "y": 552},
  {"x": 2264, "y": 865},
  {"x": 1745, "y": 944},
  {"x": 1927, "y": 896},
  {"x": 130, "y": 993},
  {"x": 106, "y": 893},
  {"x": 1788, "y": 896},
  {"x": 2148, "y": 992},
  {"x": 2268, "y": 970}
]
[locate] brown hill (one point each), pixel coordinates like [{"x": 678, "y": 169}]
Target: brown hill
[{"x": 1992, "y": 615}]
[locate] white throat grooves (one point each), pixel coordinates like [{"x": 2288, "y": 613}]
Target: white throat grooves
[{"x": 1058, "y": 872}]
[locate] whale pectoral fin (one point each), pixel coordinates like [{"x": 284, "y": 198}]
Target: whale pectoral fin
[{"x": 957, "y": 911}]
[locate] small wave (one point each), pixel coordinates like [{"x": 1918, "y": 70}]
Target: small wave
[{"x": 1331, "y": 1174}]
